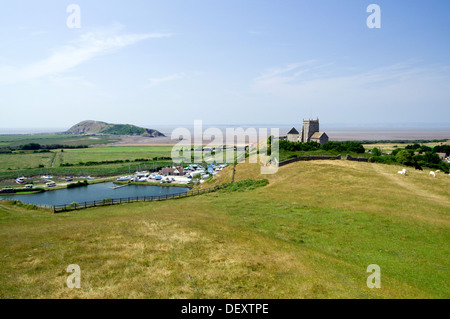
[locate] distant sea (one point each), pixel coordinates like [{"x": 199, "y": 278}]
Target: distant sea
[
  {"x": 343, "y": 133},
  {"x": 334, "y": 132}
]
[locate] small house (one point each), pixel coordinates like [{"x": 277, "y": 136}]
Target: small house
[
  {"x": 172, "y": 171},
  {"x": 319, "y": 137},
  {"x": 293, "y": 136}
]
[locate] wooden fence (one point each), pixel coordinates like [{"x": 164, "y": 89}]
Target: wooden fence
[
  {"x": 308, "y": 158},
  {"x": 359, "y": 159},
  {"x": 116, "y": 201}
]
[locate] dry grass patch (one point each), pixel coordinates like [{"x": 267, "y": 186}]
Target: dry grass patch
[{"x": 310, "y": 233}]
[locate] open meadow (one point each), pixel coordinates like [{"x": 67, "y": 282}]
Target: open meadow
[
  {"x": 50, "y": 139},
  {"x": 310, "y": 233},
  {"x": 390, "y": 146},
  {"x": 25, "y": 160},
  {"x": 111, "y": 153}
]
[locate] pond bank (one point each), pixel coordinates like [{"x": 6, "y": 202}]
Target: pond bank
[
  {"x": 154, "y": 184},
  {"x": 95, "y": 192}
]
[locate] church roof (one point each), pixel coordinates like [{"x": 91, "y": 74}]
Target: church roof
[
  {"x": 293, "y": 131},
  {"x": 318, "y": 135}
]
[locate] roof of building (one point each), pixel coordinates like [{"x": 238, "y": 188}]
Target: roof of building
[
  {"x": 293, "y": 131},
  {"x": 318, "y": 135},
  {"x": 173, "y": 170}
]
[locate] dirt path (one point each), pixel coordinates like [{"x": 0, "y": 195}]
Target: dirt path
[
  {"x": 53, "y": 162},
  {"x": 400, "y": 181}
]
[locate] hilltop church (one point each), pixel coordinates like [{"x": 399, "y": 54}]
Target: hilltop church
[{"x": 310, "y": 133}]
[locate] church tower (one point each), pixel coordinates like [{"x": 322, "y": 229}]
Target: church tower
[{"x": 309, "y": 128}]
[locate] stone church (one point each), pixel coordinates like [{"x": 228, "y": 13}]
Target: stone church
[{"x": 309, "y": 133}]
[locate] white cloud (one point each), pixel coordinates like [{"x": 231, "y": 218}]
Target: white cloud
[
  {"x": 156, "y": 81},
  {"x": 81, "y": 50},
  {"x": 402, "y": 91}
]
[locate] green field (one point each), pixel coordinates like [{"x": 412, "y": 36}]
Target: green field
[
  {"x": 392, "y": 146},
  {"x": 109, "y": 153},
  {"x": 49, "y": 139},
  {"x": 31, "y": 164},
  {"x": 285, "y": 155},
  {"x": 310, "y": 233},
  {"x": 25, "y": 160}
]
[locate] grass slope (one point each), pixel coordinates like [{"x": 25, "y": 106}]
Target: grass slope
[{"x": 310, "y": 233}]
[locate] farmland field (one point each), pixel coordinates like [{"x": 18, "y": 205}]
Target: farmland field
[
  {"x": 393, "y": 146},
  {"x": 285, "y": 155},
  {"x": 24, "y": 161},
  {"x": 110, "y": 153},
  {"x": 32, "y": 164},
  {"x": 310, "y": 233},
  {"x": 49, "y": 139}
]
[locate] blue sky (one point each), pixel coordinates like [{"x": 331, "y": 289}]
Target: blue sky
[{"x": 224, "y": 62}]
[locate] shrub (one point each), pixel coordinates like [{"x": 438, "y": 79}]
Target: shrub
[
  {"x": 245, "y": 185},
  {"x": 107, "y": 201},
  {"x": 376, "y": 151},
  {"x": 30, "y": 147},
  {"x": 73, "y": 205},
  {"x": 78, "y": 184},
  {"x": 384, "y": 159},
  {"x": 404, "y": 157}
]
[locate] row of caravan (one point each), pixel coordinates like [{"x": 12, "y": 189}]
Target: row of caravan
[{"x": 140, "y": 177}]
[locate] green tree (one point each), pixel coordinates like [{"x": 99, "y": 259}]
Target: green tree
[
  {"x": 404, "y": 157},
  {"x": 376, "y": 151}
]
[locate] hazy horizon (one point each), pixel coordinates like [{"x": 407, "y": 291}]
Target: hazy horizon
[{"x": 340, "y": 131}]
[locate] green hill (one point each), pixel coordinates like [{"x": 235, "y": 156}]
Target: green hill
[
  {"x": 96, "y": 127},
  {"x": 310, "y": 233}
]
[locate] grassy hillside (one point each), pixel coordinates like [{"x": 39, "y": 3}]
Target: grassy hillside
[
  {"x": 310, "y": 233},
  {"x": 96, "y": 127}
]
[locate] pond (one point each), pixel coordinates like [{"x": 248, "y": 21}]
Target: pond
[{"x": 95, "y": 192}]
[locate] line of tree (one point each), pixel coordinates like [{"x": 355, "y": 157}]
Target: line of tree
[
  {"x": 401, "y": 141},
  {"x": 444, "y": 148},
  {"x": 415, "y": 155},
  {"x": 5, "y": 150},
  {"x": 36, "y": 146},
  {"x": 353, "y": 147},
  {"x": 96, "y": 163}
]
